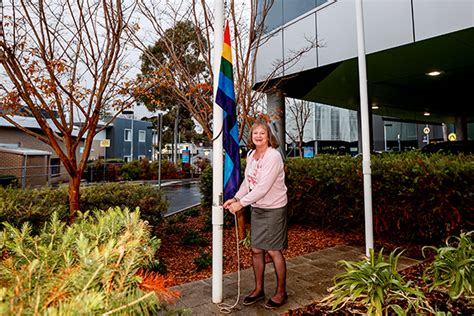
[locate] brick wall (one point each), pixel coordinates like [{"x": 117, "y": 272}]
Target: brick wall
[
  {"x": 10, "y": 135},
  {"x": 11, "y": 164}
]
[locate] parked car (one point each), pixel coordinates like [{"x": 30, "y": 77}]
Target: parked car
[{"x": 457, "y": 147}]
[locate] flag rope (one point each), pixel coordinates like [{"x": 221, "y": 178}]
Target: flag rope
[{"x": 224, "y": 307}]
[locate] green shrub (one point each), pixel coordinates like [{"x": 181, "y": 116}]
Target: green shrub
[
  {"x": 416, "y": 197},
  {"x": 173, "y": 229},
  {"x": 146, "y": 171},
  {"x": 202, "y": 164},
  {"x": 247, "y": 241},
  {"x": 192, "y": 237},
  {"x": 170, "y": 171},
  {"x": 206, "y": 183},
  {"x": 207, "y": 225},
  {"x": 131, "y": 170},
  {"x": 36, "y": 205},
  {"x": 206, "y": 187},
  {"x": 171, "y": 220},
  {"x": 422, "y": 198},
  {"x": 192, "y": 212},
  {"x": 151, "y": 200},
  {"x": 181, "y": 218},
  {"x": 376, "y": 284},
  {"x": 453, "y": 267},
  {"x": 88, "y": 268},
  {"x": 33, "y": 205},
  {"x": 203, "y": 261},
  {"x": 157, "y": 265}
]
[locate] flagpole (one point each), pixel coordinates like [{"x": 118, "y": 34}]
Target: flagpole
[
  {"x": 365, "y": 127},
  {"x": 217, "y": 162}
]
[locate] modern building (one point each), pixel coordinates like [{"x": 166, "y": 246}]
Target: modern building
[
  {"x": 420, "y": 64},
  {"x": 129, "y": 139}
]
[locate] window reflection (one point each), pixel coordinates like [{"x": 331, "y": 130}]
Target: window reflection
[
  {"x": 280, "y": 12},
  {"x": 294, "y": 8}
]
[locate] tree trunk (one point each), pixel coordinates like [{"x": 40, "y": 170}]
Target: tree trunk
[
  {"x": 74, "y": 184},
  {"x": 300, "y": 147}
]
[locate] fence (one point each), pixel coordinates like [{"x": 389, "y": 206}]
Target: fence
[
  {"x": 32, "y": 175},
  {"x": 54, "y": 174}
]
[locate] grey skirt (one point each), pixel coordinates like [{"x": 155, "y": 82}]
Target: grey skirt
[{"x": 269, "y": 228}]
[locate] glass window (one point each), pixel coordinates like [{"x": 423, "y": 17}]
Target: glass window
[
  {"x": 127, "y": 135},
  {"x": 55, "y": 166},
  {"x": 274, "y": 14},
  {"x": 141, "y": 136},
  {"x": 294, "y": 8},
  {"x": 335, "y": 120},
  {"x": 127, "y": 159},
  {"x": 280, "y": 12}
]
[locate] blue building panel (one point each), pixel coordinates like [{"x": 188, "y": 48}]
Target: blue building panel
[{"x": 121, "y": 133}]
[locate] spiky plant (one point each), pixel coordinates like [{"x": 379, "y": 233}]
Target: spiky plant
[
  {"x": 376, "y": 284},
  {"x": 453, "y": 267},
  {"x": 90, "y": 267}
]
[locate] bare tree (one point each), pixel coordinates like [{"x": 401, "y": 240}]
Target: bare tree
[
  {"x": 300, "y": 112},
  {"x": 193, "y": 91},
  {"x": 63, "y": 63}
]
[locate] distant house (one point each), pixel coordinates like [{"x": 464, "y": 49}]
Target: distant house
[
  {"x": 129, "y": 139},
  {"x": 34, "y": 163},
  {"x": 29, "y": 166},
  {"x": 13, "y": 139}
]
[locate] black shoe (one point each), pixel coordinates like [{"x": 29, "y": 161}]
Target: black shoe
[
  {"x": 249, "y": 300},
  {"x": 271, "y": 304}
]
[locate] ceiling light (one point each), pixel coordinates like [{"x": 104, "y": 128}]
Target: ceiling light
[
  {"x": 375, "y": 107},
  {"x": 434, "y": 73},
  {"x": 426, "y": 113}
]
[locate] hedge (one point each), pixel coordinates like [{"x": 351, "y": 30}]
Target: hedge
[
  {"x": 417, "y": 198},
  {"x": 36, "y": 205}
]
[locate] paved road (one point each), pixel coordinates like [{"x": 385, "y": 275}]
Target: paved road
[{"x": 181, "y": 195}]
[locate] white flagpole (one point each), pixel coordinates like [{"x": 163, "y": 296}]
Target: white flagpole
[
  {"x": 217, "y": 162},
  {"x": 364, "y": 113}
]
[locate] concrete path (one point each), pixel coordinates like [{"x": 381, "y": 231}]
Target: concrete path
[{"x": 308, "y": 278}]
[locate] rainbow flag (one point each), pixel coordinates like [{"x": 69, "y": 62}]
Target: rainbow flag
[{"x": 225, "y": 98}]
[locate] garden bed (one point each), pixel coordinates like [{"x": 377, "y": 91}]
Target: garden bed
[
  {"x": 437, "y": 299},
  {"x": 301, "y": 240}
]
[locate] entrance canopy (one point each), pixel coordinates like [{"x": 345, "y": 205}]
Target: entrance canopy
[{"x": 399, "y": 83}]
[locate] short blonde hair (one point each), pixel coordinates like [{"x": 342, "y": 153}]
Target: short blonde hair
[{"x": 272, "y": 140}]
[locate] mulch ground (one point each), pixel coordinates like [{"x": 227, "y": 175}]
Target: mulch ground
[{"x": 178, "y": 257}]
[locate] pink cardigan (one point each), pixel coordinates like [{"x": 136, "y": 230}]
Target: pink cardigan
[{"x": 270, "y": 189}]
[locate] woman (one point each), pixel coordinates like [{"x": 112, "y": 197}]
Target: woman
[{"x": 264, "y": 189}]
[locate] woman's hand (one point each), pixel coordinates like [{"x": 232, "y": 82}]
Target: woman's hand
[
  {"x": 229, "y": 202},
  {"x": 234, "y": 207}
]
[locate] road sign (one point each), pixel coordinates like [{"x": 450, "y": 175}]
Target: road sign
[
  {"x": 452, "y": 137},
  {"x": 426, "y": 130},
  {"x": 185, "y": 157},
  {"x": 308, "y": 152},
  {"x": 105, "y": 143}
]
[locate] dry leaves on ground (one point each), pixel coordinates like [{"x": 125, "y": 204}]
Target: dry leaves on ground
[{"x": 179, "y": 257}]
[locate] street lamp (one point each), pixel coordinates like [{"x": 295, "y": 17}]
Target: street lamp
[{"x": 130, "y": 112}]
